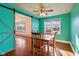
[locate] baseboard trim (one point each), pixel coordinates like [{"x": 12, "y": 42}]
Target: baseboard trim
[
  {"x": 68, "y": 43},
  {"x": 63, "y": 41},
  {"x": 72, "y": 48}
]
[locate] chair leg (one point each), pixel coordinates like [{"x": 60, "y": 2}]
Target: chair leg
[{"x": 53, "y": 51}]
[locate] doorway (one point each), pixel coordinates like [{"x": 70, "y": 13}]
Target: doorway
[{"x": 23, "y": 41}]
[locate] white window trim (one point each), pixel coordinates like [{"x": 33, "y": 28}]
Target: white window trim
[{"x": 59, "y": 19}]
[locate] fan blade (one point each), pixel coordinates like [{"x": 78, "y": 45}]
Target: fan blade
[
  {"x": 46, "y": 13},
  {"x": 49, "y": 10},
  {"x": 36, "y": 11}
]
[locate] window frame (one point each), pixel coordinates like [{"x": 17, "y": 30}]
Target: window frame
[{"x": 51, "y": 20}]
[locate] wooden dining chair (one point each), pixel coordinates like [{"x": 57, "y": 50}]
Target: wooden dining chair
[
  {"x": 52, "y": 42},
  {"x": 38, "y": 46}
]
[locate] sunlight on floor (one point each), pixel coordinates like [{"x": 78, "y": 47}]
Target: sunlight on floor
[
  {"x": 66, "y": 53},
  {"x": 61, "y": 51}
]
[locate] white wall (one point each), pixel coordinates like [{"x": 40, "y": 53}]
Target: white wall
[{"x": 25, "y": 19}]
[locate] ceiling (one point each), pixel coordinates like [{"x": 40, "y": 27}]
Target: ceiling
[{"x": 59, "y": 8}]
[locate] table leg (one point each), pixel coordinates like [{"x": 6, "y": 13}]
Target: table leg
[{"x": 47, "y": 48}]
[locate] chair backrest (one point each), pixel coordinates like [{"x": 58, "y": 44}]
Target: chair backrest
[
  {"x": 53, "y": 36},
  {"x": 53, "y": 39},
  {"x": 37, "y": 35}
]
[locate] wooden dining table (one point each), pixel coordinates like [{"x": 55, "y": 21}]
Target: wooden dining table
[{"x": 45, "y": 38}]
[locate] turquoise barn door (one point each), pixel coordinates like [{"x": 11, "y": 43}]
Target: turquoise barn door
[{"x": 6, "y": 30}]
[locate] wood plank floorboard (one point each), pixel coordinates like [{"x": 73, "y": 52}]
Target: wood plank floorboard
[{"x": 60, "y": 47}]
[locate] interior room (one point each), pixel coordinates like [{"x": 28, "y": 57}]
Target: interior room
[{"x": 39, "y": 29}]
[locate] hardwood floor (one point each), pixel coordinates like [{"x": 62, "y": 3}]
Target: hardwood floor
[
  {"x": 23, "y": 45},
  {"x": 63, "y": 49},
  {"x": 11, "y": 53}
]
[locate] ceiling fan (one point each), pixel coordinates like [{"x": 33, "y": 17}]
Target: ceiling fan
[{"x": 42, "y": 10}]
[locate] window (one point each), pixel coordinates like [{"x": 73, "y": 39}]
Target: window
[
  {"x": 20, "y": 27},
  {"x": 52, "y": 25},
  {"x": 47, "y": 26}
]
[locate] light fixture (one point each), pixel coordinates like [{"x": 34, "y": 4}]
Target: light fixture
[
  {"x": 43, "y": 10},
  {"x": 42, "y": 14}
]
